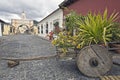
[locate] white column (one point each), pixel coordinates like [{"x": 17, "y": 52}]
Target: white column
[{"x": 0, "y": 30}]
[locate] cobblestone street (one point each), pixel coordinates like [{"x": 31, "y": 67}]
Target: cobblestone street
[{"x": 22, "y": 46}]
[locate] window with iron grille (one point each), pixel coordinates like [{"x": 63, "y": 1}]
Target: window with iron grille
[
  {"x": 47, "y": 28},
  {"x": 41, "y": 28}
]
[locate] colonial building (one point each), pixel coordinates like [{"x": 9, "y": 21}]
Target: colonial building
[
  {"x": 53, "y": 22},
  {"x": 23, "y": 25},
  {"x": 57, "y": 17},
  {"x": 85, "y": 6}
]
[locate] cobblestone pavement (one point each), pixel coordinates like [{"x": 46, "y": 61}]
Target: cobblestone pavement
[{"x": 22, "y": 46}]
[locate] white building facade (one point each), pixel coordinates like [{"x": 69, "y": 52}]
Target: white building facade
[{"x": 46, "y": 25}]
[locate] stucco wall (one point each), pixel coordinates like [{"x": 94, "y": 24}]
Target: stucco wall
[
  {"x": 84, "y": 6},
  {"x": 6, "y": 29}
]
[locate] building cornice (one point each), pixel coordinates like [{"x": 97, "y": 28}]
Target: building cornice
[{"x": 66, "y": 3}]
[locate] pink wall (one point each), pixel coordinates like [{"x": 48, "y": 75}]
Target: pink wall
[{"x": 84, "y": 6}]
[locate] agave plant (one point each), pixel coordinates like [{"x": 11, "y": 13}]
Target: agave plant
[{"x": 96, "y": 28}]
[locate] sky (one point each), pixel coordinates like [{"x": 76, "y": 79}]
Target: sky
[{"x": 34, "y": 9}]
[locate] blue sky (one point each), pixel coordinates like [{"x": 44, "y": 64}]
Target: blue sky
[{"x": 34, "y": 9}]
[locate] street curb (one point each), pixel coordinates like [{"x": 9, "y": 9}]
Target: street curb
[{"x": 43, "y": 38}]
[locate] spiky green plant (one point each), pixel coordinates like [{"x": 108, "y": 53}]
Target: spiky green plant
[{"x": 96, "y": 28}]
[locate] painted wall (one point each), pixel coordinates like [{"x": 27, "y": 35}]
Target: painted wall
[
  {"x": 84, "y": 6},
  {"x": 35, "y": 30},
  {"x": 6, "y": 29},
  {"x": 50, "y": 19}
]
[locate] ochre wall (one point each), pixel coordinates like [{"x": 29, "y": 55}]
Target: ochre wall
[{"x": 6, "y": 29}]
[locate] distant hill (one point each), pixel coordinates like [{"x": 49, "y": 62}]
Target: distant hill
[{"x": 35, "y": 22}]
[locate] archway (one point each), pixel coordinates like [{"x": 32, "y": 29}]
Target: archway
[{"x": 23, "y": 29}]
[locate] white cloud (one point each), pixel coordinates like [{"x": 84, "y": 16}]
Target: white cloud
[{"x": 34, "y": 9}]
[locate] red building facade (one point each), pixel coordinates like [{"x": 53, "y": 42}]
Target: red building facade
[{"x": 85, "y": 6}]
